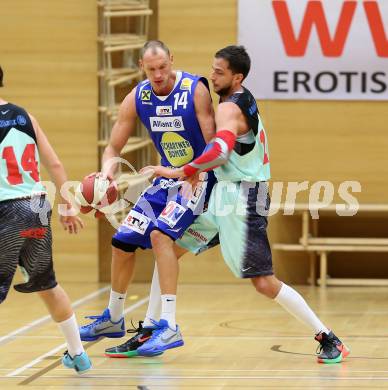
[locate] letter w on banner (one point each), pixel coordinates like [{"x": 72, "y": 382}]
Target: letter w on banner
[{"x": 316, "y": 49}]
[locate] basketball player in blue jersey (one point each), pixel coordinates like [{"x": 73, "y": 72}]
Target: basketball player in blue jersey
[
  {"x": 25, "y": 234},
  {"x": 240, "y": 159},
  {"x": 176, "y": 109}
]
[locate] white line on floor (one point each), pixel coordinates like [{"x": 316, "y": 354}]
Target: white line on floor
[
  {"x": 37, "y": 360},
  {"x": 280, "y": 312},
  {"x": 177, "y": 370},
  {"x": 8, "y": 337},
  {"x": 62, "y": 346},
  {"x": 268, "y": 377},
  {"x": 97, "y": 370}
]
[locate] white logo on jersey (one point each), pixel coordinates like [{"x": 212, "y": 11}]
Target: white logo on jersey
[
  {"x": 173, "y": 123},
  {"x": 137, "y": 222},
  {"x": 4, "y": 112},
  {"x": 163, "y": 110},
  {"x": 172, "y": 213},
  {"x": 169, "y": 183}
]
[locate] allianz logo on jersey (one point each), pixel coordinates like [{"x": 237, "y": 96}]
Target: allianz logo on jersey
[
  {"x": 172, "y": 123},
  {"x": 8, "y": 123},
  {"x": 163, "y": 110},
  {"x": 20, "y": 120}
]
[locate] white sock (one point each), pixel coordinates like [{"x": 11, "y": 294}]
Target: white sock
[
  {"x": 70, "y": 330},
  {"x": 154, "y": 304},
  {"x": 168, "y": 309},
  {"x": 116, "y": 305},
  {"x": 293, "y": 302}
]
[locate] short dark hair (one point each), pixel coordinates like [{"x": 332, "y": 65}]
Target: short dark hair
[
  {"x": 153, "y": 45},
  {"x": 1, "y": 77},
  {"x": 238, "y": 58}
]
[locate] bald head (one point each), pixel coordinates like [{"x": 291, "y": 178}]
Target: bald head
[{"x": 154, "y": 46}]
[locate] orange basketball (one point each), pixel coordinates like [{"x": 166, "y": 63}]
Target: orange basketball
[{"x": 95, "y": 192}]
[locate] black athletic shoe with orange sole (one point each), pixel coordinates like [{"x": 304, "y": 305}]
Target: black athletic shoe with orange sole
[{"x": 331, "y": 349}]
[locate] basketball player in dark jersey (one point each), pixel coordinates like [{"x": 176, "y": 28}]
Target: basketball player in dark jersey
[
  {"x": 25, "y": 231},
  {"x": 239, "y": 156}
]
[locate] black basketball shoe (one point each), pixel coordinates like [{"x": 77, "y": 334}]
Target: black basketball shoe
[
  {"x": 330, "y": 349},
  {"x": 129, "y": 348}
]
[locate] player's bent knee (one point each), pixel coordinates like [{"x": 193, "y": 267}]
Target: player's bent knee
[
  {"x": 155, "y": 236},
  {"x": 159, "y": 238},
  {"x": 264, "y": 286},
  {"x": 51, "y": 292}
]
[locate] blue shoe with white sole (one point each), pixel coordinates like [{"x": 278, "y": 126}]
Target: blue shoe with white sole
[
  {"x": 163, "y": 337},
  {"x": 103, "y": 326},
  {"x": 80, "y": 363}
]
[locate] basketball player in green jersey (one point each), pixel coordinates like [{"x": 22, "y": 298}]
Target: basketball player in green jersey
[
  {"x": 25, "y": 231},
  {"x": 238, "y": 206}
]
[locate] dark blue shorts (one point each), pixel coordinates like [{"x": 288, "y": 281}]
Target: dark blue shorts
[{"x": 162, "y": 207}]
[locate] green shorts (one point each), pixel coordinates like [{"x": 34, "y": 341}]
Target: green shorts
[{"x": 236, "y": 219}]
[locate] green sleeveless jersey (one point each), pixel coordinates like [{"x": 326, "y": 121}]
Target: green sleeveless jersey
[
  {"x": 19, "y": 157},
  {"x": 249, "y": 160}
]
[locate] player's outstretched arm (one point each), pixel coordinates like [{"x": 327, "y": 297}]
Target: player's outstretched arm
[
  {"x": 204, "y": 111},
  {"x": 57, "y": 173},
  {"x": 216, "y": 153},
  {"x": 121, "y": 131}
]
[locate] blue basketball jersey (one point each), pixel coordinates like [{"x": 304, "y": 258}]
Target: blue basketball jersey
[{"x": 171, "y": 120}]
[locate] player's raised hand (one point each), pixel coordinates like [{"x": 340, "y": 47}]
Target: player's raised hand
[{"x": 71, "y": 223}]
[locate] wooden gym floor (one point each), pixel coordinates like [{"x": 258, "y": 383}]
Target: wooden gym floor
[{"x": 234, "y": 339}]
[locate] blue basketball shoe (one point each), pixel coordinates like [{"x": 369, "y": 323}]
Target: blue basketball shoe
[
  {"x": 103, "y": 326},
  {"x": 81, "y": 363},
  {"x": 163, "y": 337}
]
